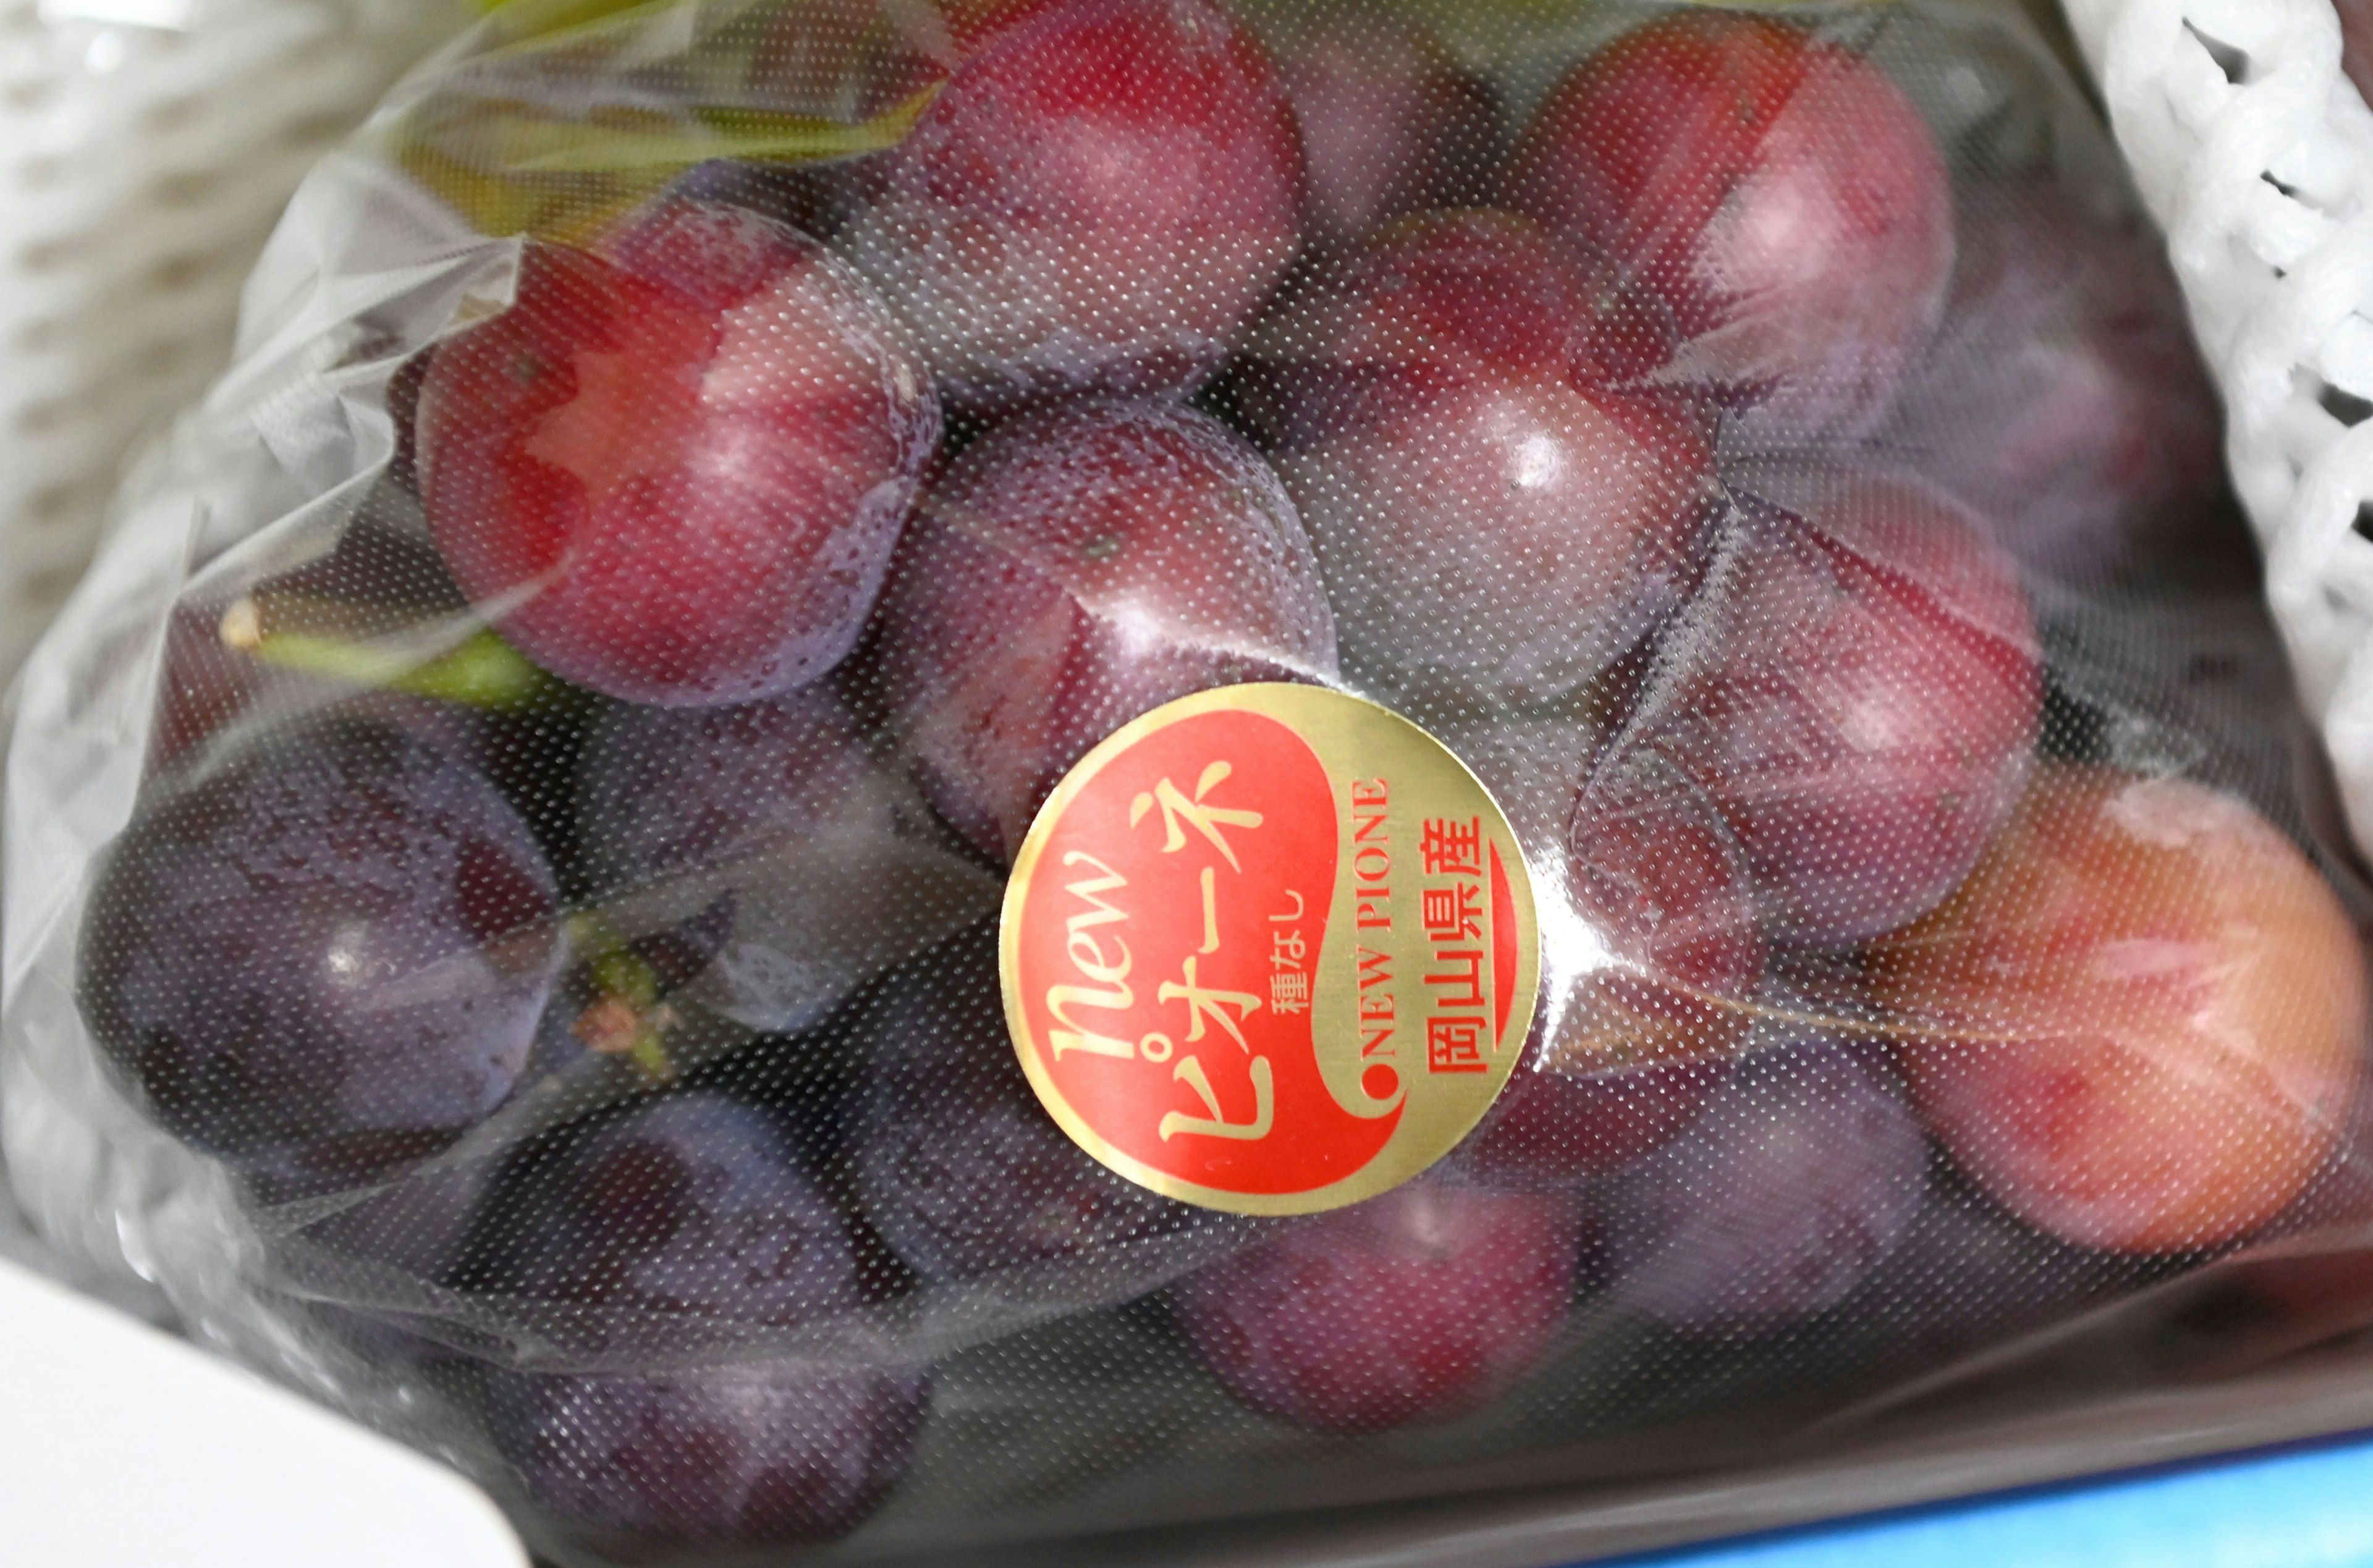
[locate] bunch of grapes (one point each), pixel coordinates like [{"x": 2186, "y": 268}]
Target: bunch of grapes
[{"x": 807, "y": 525}]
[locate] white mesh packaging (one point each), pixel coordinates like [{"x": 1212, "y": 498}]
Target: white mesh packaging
[
  {"x": 2255, "y": 152},
  {"x": 1088, "y": 780},
  {"x": 146, "y": 147}
]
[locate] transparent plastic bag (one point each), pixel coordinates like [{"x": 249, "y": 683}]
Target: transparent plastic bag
[{"x": 530, "y": 858}]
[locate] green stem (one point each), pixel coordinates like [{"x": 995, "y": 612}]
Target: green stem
[
  {"x": 650, "y": 1054},
  {"x": 482, "y": 671},
  {"x": 623, "y": 979},
  {"x": 627, "y": 977}
]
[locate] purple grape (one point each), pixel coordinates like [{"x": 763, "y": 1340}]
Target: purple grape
[
  {"x": 366, "y": 1275},
  {"x": 776, "y": 815},
  {"x": 682, "y": 1215},
  {"x": 679, "y": 1219},
  {"x": 728, "y": 1460},
  {"x": 731, "y": 781},
  {"x": 415, "y": 1229},
  {"x": 1422, "y": 1304},
  {"x": 1968, "y": 1276},
  {"x": 958, "y": 1165},
  {"x": 1800, "y": 1178},
  {"x": 325, "y": 953},
  {"x": 2063, "y": 398},
  {"x": 376, "y": 575}
]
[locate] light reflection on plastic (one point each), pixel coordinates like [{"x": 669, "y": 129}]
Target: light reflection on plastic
[
  {"x": 171, "y": 15},
  {"x": 1573, "y": 947}
]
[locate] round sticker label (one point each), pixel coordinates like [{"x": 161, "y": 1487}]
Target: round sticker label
[{"x": 1269, "y": 948}]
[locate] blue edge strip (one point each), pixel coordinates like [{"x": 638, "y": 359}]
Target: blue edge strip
[{"x": 2308, "y": 1505}]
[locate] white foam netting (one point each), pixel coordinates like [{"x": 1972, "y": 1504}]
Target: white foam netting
[{"x": 2255, "y": 155}]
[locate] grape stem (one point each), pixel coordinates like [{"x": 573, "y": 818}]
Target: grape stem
[
  {"x": 627, "y": 1017},
  {"x": 613, "y": 1026},
  {"x": 1835, "y": 1022},
  {"x": 481, "y": 671}
]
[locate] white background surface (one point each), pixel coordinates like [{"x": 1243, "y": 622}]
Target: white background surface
[{"x": 121, "y": 1447}]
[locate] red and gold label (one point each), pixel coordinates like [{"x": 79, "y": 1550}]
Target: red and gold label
[{"x": 1269, "y": 948}]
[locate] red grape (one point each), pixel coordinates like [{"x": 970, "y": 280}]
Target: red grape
[
  {"x": 1098, "y": 200},
  {"x": 1486, "y": 514},
  {"x": 1435, "y": 302},
  {"x": 1650, "y": 959},
  {"x": 1076, "y": 568},
  {"x": 674, "y": 472},
  {"x": 2140, "y": 1021},
  {"x": 1419, "y": 1306},
  {"x": 2063, "y": 398},
  {"x": 1535, "y": 769},
  {"x": 1390, "y": 125},
  {"x": 779, "y": 816},
  {"x": 2357, "y": 43},
  {"x": 2310, "y": 1273},
  {"x": 1803, "y": 1174},
  {"x": 328, "y": 950},
  {"x": 1776, "y": 195},
  {"x": 846, "y": 62},
  {"x": 1857, "y": 700},
  {"x": 1660, "y": 884}
]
